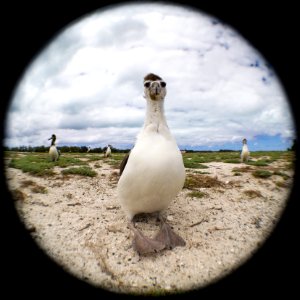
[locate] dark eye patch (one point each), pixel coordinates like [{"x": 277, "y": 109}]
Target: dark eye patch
[
  {"x": 163, "y": 84},
  {"x": 147, "y": 84}
]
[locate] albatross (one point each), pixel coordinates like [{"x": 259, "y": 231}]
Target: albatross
[
  {"x": 53, "y": 152},
  {"x": 108, "y": 151},
  {"x": 245, "y": 152},
  {"x": 153, "y": 173}
]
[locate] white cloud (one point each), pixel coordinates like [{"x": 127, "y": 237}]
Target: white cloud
[{"x": 86, "y": 86}]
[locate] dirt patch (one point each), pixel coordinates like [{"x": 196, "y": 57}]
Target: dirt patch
[{"x": 80, "y": 224}]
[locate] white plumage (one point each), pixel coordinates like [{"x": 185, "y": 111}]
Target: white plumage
[
  {"x": 108, "y": 151},
  {"x": 154, "y": 173},
  {"x": 245, "y": 154}
]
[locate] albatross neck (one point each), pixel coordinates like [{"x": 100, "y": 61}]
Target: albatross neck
[{"x": 155, "y": 113}]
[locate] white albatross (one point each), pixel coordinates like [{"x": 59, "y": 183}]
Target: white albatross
[
  {"x": 153, "y": 173},
  {"x": 53, "y": 152},
  {"x": 245, "y": 152},
  {"x": 108, "y": 151}
]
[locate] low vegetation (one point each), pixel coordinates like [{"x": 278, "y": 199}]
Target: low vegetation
[
  {"x": 196, "y": 194},
  {"x": 252, "y": 193},
  {"x": 262, "y": 174},
  {"x": 18, "y": 195},
  {"x": 259, "y": 163},
  {"x": 83, "y": 171},
  {"x": 282, "y": 174},
  {"x": 39, "y": 164},
  {"x": 34, "y": 165},
  {"x": 35, "y": 188},
  {"x": 196, "y": 181},
  {"x": 243, "y": 169}
]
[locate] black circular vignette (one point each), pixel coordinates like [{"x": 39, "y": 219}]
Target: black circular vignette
[{"x": 27, "y": 28}]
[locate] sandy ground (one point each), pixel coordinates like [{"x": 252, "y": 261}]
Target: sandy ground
[{"x": 80, "y": 224}]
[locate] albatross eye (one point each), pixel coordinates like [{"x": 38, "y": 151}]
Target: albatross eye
[
  {"x": 147, "y": 84},
  {"x": 163, "y": 84}
]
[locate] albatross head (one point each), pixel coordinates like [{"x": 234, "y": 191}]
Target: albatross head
[
  {"x": 154, "y": 87},
  {"x": 53, "y": 138}
]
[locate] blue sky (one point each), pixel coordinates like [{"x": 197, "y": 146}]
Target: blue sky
[{"x": 86, "y": 84}]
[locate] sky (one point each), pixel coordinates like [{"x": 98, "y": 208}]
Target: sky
[{"x": 86, "y": 85}]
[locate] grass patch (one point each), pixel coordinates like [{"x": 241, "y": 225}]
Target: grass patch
[
  {"x": 197, "y": 194},
  {"x": 206, "y": 157},
  {"x": 115, "y": 160},
  {"x": 18, "y": 195},
  {"x": 27, "y": 165},
  {"x": 232, "y": 161},
  {"x": 39, "y": 189},
  {"x": 94, "y": 157},
  {"x": 27, "y": 183},
  {"x": 282, "y": 174},
  {"x": 195, "y": 181},
  {"x": 259, "y": 163},
  {"x": 262, "y": 174},
  {"x": 66, "y": 161},
  {"x": 194, "y": 165},
  {"x": 242, "y": 169},
  {"x": 252, "y": 193},
  {"x": 283, "y": 184},
  {"x": 200, "y": 172},
  {"x": 118, "y": 157},
  {"x": 83, "y": 171},
  {"x": 269, "y": 155},
  {"x": 237, "y": 174},
  {"x": 39, "y": 164},
  {"x": 35, "y": 188}
]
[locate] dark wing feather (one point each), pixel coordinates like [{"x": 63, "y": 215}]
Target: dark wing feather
[{"x": 123, "y": 163}]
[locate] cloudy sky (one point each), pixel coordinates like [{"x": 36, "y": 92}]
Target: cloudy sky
[{"x": 86, "y": 85}]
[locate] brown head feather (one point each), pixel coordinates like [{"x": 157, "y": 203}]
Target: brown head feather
[{"x": 152, "y": 77}]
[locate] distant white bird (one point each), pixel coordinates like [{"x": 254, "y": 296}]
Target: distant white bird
[
  {"x": 89, "y": 149},
  {"x": 108, "y": 151},
  {"x": 245, "y": 154},
  {"x": 153, "y": 173},
  {"x": 53, "y": 152}
]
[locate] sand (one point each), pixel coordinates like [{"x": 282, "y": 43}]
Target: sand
[{"x": 79, "y": 223}]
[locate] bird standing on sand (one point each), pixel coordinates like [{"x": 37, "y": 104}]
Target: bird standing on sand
[
  {"x": 245, "y": 152},
  {"x": 153, "y": 173},
  {"x": 53, "y": 152},
  {"x": 108, "y": 151}
]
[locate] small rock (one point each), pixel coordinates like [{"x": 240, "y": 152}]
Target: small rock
[
  {"x": 31, "y": 228},
  {"x": 170, "y": 218}
]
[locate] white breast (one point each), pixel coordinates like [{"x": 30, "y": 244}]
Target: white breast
[
  {"x": 53, "y": 153},
  {"x": 153, "y": 176},
  {"x": 245, "y": 153}
]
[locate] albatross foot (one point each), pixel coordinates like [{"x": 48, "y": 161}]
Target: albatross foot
[
  {"x": 144, "y": 245},
  {"x": 168, "y": 237}
]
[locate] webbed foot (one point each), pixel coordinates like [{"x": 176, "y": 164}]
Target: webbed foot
[
  {"x": 168, "y": 237},
  {"x": 144, "y": 245}
]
